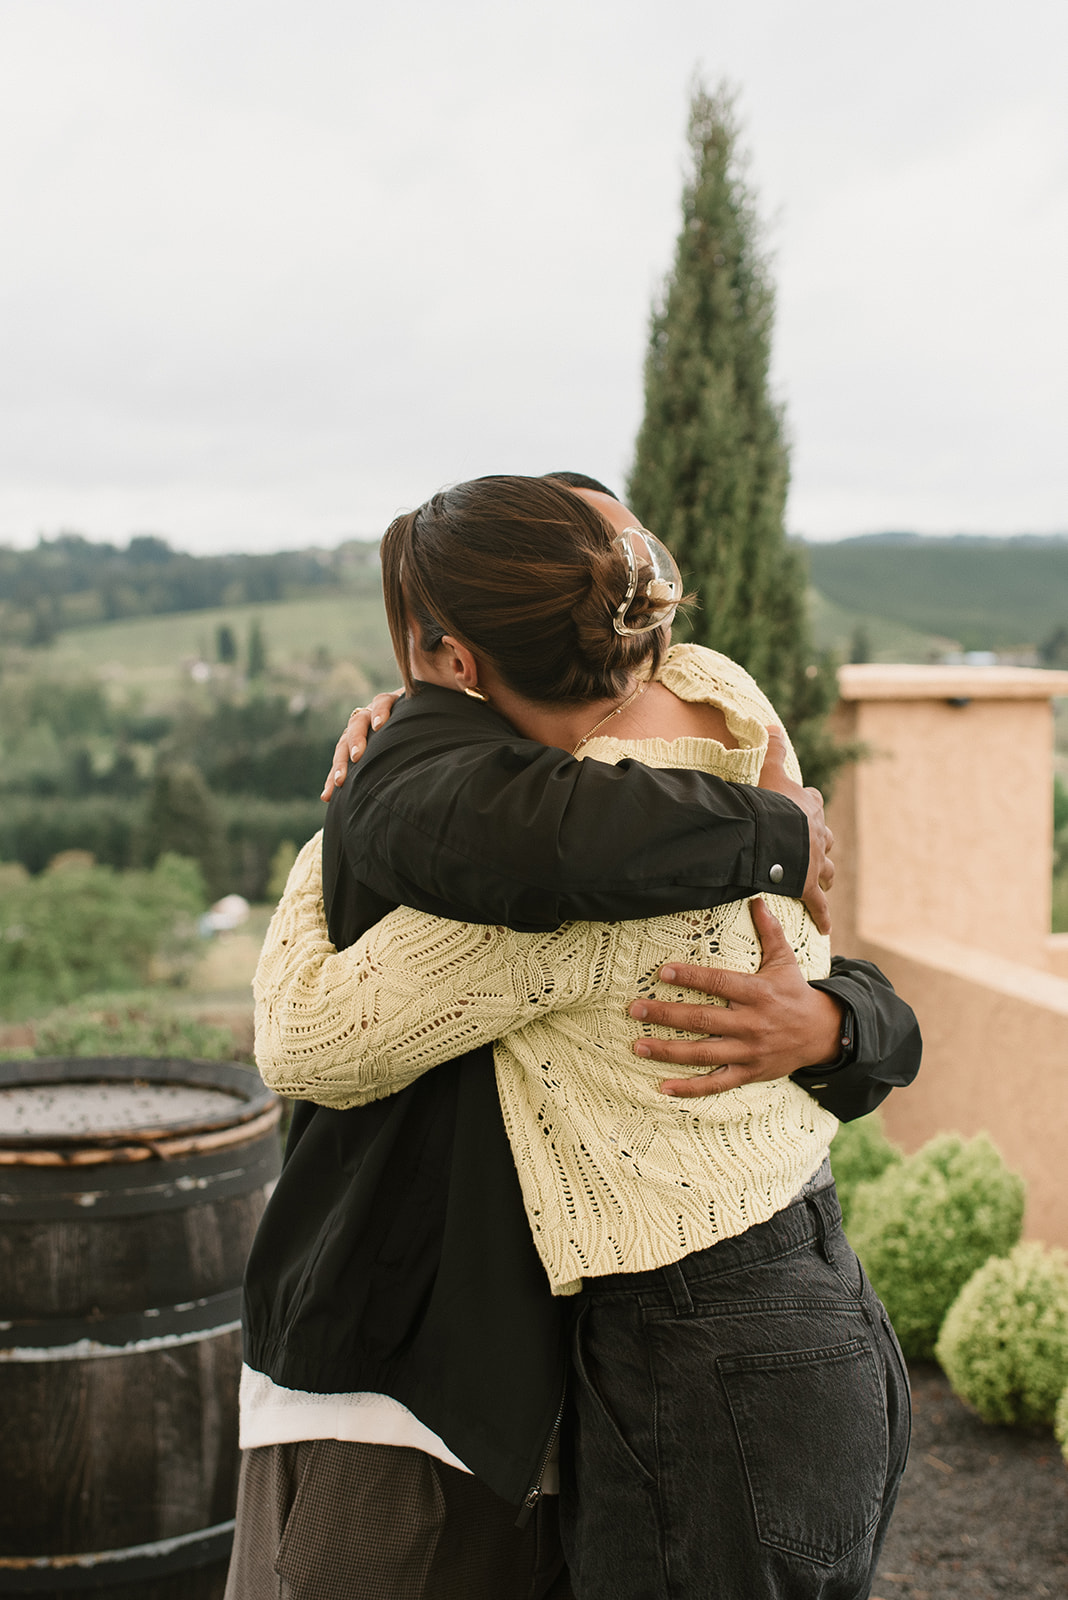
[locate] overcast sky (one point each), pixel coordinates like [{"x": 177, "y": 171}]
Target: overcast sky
[{"x": 270, "y": 271}]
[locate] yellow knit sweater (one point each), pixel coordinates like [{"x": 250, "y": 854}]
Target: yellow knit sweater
[{"x": 616, "y": 1176}]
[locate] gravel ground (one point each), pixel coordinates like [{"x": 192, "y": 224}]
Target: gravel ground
[{"x": 983, "y": 1511}]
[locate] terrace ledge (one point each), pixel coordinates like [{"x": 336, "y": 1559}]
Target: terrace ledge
[{"x": 907, "y": 681}]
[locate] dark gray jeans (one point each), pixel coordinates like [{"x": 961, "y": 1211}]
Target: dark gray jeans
[{"x": 739, "y": 1422}]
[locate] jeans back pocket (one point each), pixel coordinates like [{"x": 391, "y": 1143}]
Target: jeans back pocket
[{"x": 812, "y": 1430}]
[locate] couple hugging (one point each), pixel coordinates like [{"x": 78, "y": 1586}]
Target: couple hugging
[{"x": 525, "y": 1320}]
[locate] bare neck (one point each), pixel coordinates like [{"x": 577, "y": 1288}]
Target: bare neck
[{"x": 562, "y": 726}]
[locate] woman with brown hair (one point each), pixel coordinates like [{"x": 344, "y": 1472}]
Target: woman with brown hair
[{"x": 719, "y": 1300}]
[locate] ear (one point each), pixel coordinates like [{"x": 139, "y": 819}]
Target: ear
[{"x": 460, "y": 662}]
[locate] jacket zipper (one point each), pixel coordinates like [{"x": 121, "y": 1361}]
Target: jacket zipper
[{"x": 533, "y": 1494}]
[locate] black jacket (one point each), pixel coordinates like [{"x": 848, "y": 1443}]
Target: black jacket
[{"x": 395, "y": 1254}]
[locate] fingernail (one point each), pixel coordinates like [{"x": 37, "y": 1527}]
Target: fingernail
[
  {"x": 641, "y": 1049},
  {"x": 339, "y": 776},
  {"x": 638, "y": 1011},
  {"x": 355, "y": 752},
  {"x": 375, "y": 721},
  {"x": 668, "y": 974},
  {"x": 672, "y": 1094}
]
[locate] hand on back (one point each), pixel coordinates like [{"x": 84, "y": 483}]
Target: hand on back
[
  {"x": 353, "y": 742},
  {"x": 768, "y": 1024}
]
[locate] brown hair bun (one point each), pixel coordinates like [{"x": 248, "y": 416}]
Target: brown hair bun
[{"x": 525, "y": 571}]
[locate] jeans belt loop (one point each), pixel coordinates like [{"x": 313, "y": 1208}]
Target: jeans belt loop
[
  {"x": 814, "y": 1202},
  {"x": 678, "y": 1288}
]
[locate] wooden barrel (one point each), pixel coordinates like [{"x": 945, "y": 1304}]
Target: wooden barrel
[{"x": 130, "y": 1190}]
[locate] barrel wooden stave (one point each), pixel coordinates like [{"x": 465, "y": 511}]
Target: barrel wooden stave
[
  {"x": 98, "y": 1266},
  {"x": 120, "y": 1360},
  {"x": 175, "y": 1471}
]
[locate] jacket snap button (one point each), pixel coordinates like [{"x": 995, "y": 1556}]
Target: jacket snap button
[{"x": 776, "y": 873}]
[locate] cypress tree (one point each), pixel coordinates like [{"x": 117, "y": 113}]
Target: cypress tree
[{"x": 711, "y": 464}]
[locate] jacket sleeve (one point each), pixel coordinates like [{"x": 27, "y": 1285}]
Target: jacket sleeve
[
  {"x": 451, "y": 812},
  {"x": 884, "y": 1049}
]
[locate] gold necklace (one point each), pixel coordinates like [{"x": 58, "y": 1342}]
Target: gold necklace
[{"x": 615, "y": 712}]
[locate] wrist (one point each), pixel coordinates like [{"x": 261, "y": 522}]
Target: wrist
[{"x": 832, "y": 1030}]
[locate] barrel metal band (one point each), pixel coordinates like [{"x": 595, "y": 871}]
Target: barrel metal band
[
  {"x": 50, "y": 1194},
  {"x": 92, "y": 1570},
  {"x": 129, "y": 1333}
]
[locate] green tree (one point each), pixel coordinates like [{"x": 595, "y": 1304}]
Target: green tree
[
  {"x": 225, "y": 643},
  {"x": 257, "y": 650},
  {"x": 1054, "y": 651},
  {"x": 182, "y": 817},
  {"x": 281, "y": 866},
  {"x": 711, "y": 464},
  {"x": 43, "y": 624}
]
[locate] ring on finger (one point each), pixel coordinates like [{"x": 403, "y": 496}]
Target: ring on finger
[{"x": 358, "y": 711}]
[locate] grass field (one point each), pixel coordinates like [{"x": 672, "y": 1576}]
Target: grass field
[
  {"x": 835, "y": 627},
  {"x": 154, "y": 653}
]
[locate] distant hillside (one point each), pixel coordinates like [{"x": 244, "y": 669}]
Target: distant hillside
[
  {"x": 306, "y": 639},
  {"x": 989, "y": 594},
  {"x": 862, "y": 636},
  {"x": 70, "y": 581}
]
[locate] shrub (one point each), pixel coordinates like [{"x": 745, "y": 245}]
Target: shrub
[
  {"x": 925, "y": 1225},
  {"x": 86, "y": 928},
  {"x": 860, "y": 1152},
  {"x": 1060, "y": 1424},
  {"x": 1004, "y": 1343},
  {"x": 130, "y": 1026}
]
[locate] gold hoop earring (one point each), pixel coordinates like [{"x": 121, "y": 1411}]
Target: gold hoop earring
[{"x": 476, "y": 694}]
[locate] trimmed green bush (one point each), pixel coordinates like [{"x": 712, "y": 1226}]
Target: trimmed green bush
[
  {"x": 1004, "y": 1343},
  {"x": 927, "y": 1223},
  {"x": 860, "y": 1152},
  {"x": 1060, "y": 1424}
]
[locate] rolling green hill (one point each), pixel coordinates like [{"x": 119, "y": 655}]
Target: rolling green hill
[
  {"x": 152, "y": 654},
  {"x": 989, "y": 594},
  {"x": 836, "y": 628}
]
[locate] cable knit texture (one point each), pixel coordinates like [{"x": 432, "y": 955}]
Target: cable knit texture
[{"x": 616, "y": 1176}]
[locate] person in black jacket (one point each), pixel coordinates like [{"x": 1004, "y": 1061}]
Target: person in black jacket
[{"x": 368, "y": 1271}]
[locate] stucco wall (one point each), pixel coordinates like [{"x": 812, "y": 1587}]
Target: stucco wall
[
  {"x": 995, "y": 1060},
  {"x": 943, "y": 851}
]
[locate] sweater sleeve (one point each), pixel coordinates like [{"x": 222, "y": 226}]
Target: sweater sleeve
[{"x": 344, "y": 1028}]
